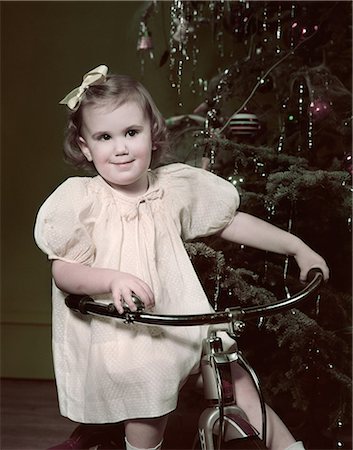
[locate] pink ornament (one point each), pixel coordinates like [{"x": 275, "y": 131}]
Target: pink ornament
[
  {"x": 145, "y": 43},
  {"x": 145, "y": 38},
  {"x": 319, "y": 109}
]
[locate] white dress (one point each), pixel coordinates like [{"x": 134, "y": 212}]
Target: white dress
[{"x": 108, "y": 371}]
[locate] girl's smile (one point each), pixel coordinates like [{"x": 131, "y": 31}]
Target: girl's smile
[{"x": 118, "y": 142}]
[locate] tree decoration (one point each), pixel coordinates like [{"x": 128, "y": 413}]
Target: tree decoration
[
  {"x": 260, "y": 81},
  {"x": 145, "y": 40},
  {"x": 244, "y": 124},
  {"x": 144, "y": 45},
  {"x": 320, "y": 109},
  {"x": 183, "y": 30},
  {"x": 237, "y": 181}
]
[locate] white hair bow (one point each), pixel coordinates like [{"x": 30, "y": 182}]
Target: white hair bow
[{"x": 73, "y": 98}]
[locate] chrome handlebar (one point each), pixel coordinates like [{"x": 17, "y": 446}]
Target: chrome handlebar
[{"x": 86, "y": 305}]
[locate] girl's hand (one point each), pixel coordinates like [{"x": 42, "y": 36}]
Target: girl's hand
[
  {"x": 307, "y": 259},
  {"x": 123, "y": 285},
  {"x": 75, "y": 278}
]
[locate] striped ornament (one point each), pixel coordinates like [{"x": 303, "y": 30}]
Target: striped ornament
[{"x": 244, "y": 124}]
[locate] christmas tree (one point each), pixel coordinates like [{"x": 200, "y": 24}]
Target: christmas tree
[{"x": 274, "y": 119}]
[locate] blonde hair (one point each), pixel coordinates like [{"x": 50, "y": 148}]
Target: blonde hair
[{"x": 119, "y": 89}]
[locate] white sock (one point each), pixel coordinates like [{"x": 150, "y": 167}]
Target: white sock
[
  {"x": 296, "y": 446},
  {"x": 131, "y": 447}
]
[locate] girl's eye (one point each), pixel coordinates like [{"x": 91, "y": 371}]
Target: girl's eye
[
  {"x": 104, "y": 137},
  {"x": 132, "y": 133}
]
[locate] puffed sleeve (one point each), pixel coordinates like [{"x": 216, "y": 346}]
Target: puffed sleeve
[
  {"x": 205, "y": 203},
  {"x": 62, "y": 228}
]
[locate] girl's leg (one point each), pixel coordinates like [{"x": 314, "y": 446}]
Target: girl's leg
[
  {"x": 145, "y": 433},
  {"x": 278, "y": 436}
]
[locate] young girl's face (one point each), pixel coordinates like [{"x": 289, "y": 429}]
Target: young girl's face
[{"x": 118, "y": 142}]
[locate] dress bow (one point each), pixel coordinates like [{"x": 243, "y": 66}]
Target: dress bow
[{"x": 146, "y": 198}]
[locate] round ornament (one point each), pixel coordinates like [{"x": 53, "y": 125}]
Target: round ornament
[
  {"x": 319, "y": 109},
  {"x": 244, "y": 124}
]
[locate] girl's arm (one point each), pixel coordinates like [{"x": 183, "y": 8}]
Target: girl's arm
[
  {"x": 253, "y": 232},
  {"x": 75, "y": 278}
]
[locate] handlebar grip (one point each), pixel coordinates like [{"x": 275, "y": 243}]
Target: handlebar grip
[
  {"x": 312, "y": 272},
  {"x": 78, "y": 302}
]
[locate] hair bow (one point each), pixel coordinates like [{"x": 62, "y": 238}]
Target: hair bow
[{"x": 74, "y": 98}]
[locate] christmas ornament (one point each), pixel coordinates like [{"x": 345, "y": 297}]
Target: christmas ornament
[
  {"x": 182, "y": 31},
  {"x": 244, "y": 124},
  {"x": 319, "y": 109},
  {"x": 145, "y": 42}
]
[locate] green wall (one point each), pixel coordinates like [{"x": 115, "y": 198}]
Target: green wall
[{"x": 46, "y": 47}]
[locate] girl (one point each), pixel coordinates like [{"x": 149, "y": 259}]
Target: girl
[{"x": 121, "y": 232}]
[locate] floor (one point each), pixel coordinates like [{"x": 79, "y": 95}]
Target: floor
[{"x": 30, "y": 420}]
